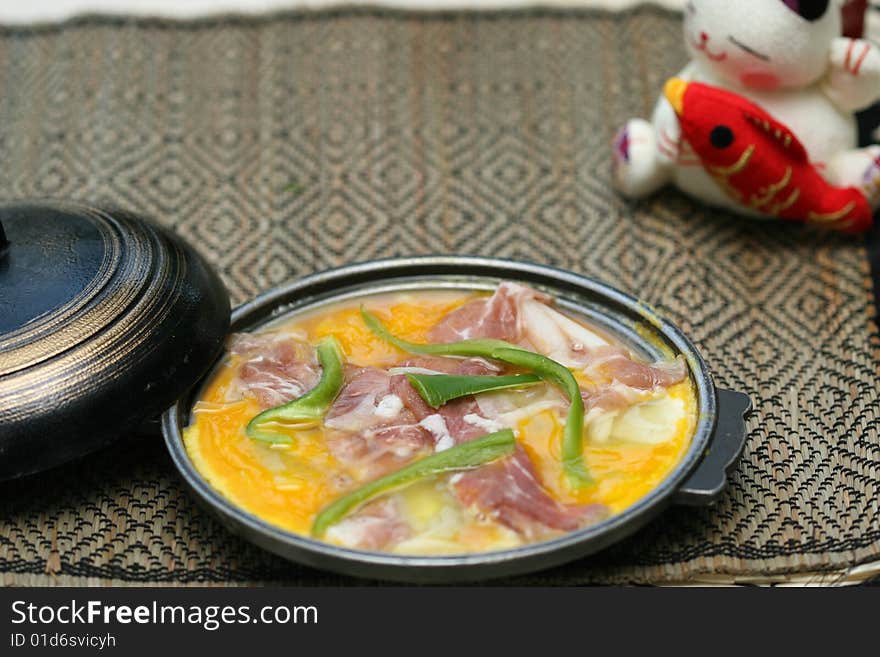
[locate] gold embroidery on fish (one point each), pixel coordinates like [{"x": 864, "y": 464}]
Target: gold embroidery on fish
[
  {"x": 787, "y": 203},
  {"x": 831, "y": 217},
  {"x": 766, "y": 194},
  {"x": 737, "y": 166}
]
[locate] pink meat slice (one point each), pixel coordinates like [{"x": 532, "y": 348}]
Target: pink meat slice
[
  {"x": 509, "y": 492},
  {"x": 375, "y": 452},
  {"x": 616, "y": 364},
  {"x": 453, "y": 365},
  {"x": 609, "y": 398},
  {"x": 503, "y": 316},
  {"x": 496, "y": 317},
  {"x": 412, "y": 400},
  {"x": 275, "y": 369},
  {"x": 370, "y": 444},
  {"x": 376, "y": 526},
  {"x": 355, "y": 407},
  {"x": 453, "y": 412}
]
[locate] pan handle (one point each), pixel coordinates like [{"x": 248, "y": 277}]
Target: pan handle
[{"x": 706, "y": 483}]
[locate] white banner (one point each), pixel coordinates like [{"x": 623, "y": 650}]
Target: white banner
[{"x": 54, "y": 10}]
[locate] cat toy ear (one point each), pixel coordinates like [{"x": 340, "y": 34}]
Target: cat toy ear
[{"x": 810, "y": 10}]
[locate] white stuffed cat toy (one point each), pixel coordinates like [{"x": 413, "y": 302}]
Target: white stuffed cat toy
[{"x": 786, "y": 56}]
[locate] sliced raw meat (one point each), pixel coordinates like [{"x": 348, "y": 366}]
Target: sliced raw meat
[
  {"x": 412, "y": 400},
  {"x": 617, "y": 365},
  {"x": 460, "y": 415},
  {"x": 521, "y": 315},
  {"x": 556, "y": 336},
  {"x": 509, "y": 491},
  {"x": 275, "y": 368},
  {"x": 369, "y": 429},
  {"x": 436, "y": 426},
  {"x": 356, "y": 405},
  {"x": 377, "y": 526},
  {"x": 613, "y": 397},
  {"x": 567, "y": 342},
  {"x": 378, "y": 451},
  {"x": 495, "y": 317},
  {"x": 451, "y": 414},
  {"x": 448, "y": 365}
]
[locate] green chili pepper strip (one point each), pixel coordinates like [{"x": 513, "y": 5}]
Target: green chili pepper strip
[
  {"x": 306, "y": 411},
  {"x": 573, "y": 434},
  {"x": 461, "y": 457},
  {"x": 437, "y": 389}
]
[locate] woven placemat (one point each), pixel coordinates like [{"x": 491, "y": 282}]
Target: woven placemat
[{"x": 290, "y": 143}]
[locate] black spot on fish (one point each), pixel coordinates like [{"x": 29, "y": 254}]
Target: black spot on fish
[{"x": 721, "y": 137}]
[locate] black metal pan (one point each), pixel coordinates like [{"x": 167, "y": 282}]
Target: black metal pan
[{"x": 699, "y": 478}]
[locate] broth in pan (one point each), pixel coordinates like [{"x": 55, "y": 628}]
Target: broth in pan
[{"x": 439, "y": 422}]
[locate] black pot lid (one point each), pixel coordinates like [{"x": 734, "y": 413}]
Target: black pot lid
[{"x": 105, "y": 320}]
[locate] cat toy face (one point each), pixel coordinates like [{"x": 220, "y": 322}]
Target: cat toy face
[{"x": 762, "y": 44}]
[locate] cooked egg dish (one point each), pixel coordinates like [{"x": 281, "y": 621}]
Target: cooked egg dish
[{"x": 438, "y": 422}]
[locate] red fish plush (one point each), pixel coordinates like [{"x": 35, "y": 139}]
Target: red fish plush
[{"x": 759, "y": 162}]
